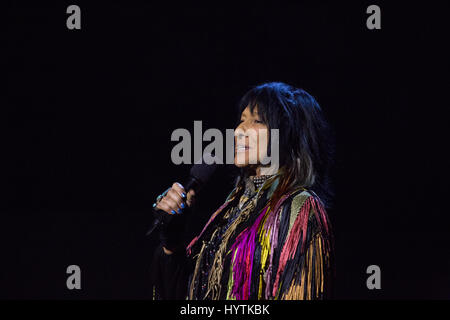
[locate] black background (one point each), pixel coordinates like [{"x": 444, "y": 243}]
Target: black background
[{"x": 87, "y": 116}]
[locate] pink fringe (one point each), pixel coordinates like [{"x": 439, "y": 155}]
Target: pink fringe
[
  {"x": 300, "y": 229},
  {"x": 245, "y": 244},
  {"x": 291, "y": 244},
  {"x": 272, "y": 225},
  {"x": 243, "y": 261}
]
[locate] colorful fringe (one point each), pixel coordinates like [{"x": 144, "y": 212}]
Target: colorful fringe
[
  {"x": 285, "y": 252},
  {"x": 293, "y": 243}
]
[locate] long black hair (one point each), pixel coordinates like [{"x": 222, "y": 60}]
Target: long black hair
[{"x": 306, "y": 140}]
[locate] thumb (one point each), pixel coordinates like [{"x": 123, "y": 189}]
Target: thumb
[{"x": 190, "y": 198}]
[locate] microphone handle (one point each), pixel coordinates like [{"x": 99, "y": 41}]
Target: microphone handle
[{"x": 156, "y": 223}]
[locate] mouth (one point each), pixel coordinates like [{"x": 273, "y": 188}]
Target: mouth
[{"x": 242, "y": 148}]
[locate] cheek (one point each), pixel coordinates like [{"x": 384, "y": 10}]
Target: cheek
[
  {"x": 263, "y": 139},
  {"x": 238, "y": 133},
  {"x": 257, "y": 134}
]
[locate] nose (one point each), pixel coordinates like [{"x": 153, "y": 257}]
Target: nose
[
  {"x": 240, "y": 134},
  {"x": 241, "y": 130}
]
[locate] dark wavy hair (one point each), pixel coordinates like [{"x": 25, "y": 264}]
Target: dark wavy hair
[{"x": 306, "y": 140}]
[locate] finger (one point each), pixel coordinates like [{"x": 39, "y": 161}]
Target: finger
[
  {"x": 169, "y": 206},
  {"x": 173, "y": 205},
  {"x": 164, "y": 206},
  {"x": 178, "y": 187},
  {"x": 175, "y": 196}
]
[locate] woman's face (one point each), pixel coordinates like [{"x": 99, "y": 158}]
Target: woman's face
[{"x": 251, "y": 139}]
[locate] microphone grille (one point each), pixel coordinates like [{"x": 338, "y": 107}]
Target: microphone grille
[{"x": 203, "y": 171}]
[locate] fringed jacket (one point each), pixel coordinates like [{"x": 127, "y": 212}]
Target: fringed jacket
[{"x": 253, "y": 248}]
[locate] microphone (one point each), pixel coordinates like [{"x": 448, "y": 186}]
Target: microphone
[{"x": 199, "y": 175}]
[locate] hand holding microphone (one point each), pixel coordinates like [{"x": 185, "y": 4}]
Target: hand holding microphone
[
  {"x": 178, "y": 198},
  {"x": 175, "y": 199}
]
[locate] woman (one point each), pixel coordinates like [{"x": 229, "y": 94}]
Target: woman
[{"x": 271, "y": 239}]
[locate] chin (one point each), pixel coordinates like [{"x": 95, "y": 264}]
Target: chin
[
  {"x": 240, "y": 165},
  {"x": 240, "y": 160}
]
